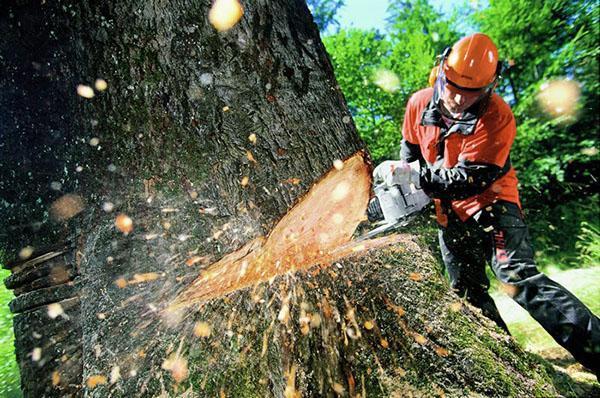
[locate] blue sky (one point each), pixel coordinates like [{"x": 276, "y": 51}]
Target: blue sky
[
  {"x": 363, "y": 14},
  {"x": 366, "y": 14}
]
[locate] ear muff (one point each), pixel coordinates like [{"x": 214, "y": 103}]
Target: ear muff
[
  {"x": 433, "y": 75},
  {"x": 435, "y": 71}
]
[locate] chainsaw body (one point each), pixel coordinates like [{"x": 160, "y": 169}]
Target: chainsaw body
[{"x": 394, "y": 206}]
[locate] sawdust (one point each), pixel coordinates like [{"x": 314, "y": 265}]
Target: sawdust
[{"x": 318, "y": 230}]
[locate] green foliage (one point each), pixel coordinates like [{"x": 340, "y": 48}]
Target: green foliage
[
  {"x": 546, "y": 41},
  {"x": 9, "y": 372},
  {"x": 588, "y": 244},
  {"x": 356, "y": 56},
  {"x": 324, "y": 12},
  {"x": 416, "y": 34},
  {"x": 566, "y": 235},
  {"x": 412, "y": 20}
]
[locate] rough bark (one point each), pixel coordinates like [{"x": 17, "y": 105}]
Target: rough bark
[{"x": 174, "y": 149}]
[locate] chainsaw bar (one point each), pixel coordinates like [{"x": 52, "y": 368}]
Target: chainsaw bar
[{"x": 382, "y": 229}]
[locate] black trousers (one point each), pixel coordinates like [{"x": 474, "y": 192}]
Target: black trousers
[{"x": 499, "y": 234}]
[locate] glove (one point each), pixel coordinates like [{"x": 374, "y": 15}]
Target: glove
[
  {"x": 393, "y": 172},
  {"x": 415, "y": 174}
]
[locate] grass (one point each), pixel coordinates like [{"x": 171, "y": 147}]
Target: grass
[{"x": 9, "y": 371}]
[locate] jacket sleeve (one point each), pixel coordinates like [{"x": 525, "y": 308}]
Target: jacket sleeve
[
  {"x": 484, "y": 158},
  {"x": 460, "y": 182},
  {"x": 409, "y": 147},
  {"x": 410, "y": 152}
]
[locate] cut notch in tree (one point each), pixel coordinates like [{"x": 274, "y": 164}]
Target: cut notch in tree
[{"x": 316, "y": 230}]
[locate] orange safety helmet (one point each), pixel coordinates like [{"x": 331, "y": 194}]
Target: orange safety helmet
[
  {"x": 472, "y": 62},
  {"x": 469, "y": 70}
]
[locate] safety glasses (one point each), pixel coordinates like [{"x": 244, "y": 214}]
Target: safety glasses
[{"x": 464, "y": 93}]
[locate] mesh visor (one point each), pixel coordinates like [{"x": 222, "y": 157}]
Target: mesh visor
[{"x": 456, "y": 102}]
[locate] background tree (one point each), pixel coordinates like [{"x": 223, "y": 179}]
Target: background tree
[
  {"x": 546, "y": 41},
  {"x": 324, "y": 12}
]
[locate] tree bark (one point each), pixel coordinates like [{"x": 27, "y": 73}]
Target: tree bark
[{"x": 205, "y": 140}]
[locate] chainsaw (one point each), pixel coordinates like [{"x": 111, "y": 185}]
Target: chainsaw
[{"x": 397, "y": 198}]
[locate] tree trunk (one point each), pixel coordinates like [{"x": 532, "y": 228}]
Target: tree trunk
[{"x": 205, "y": 140}]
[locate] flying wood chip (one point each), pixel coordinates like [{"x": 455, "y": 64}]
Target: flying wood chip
[
  {"x": 224, "y": 14},
  {"x": 66, "y": 207},
  {"x": 296, "y": 241},
  {"x": 95, "y": 380},
  {"x": 178, "y": 367},
  {"x": 55, "y": 378},
  {"x": 124, "y": 223}
]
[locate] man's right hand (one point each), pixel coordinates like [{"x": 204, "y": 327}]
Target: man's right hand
[{"x": 393, "y": 172}]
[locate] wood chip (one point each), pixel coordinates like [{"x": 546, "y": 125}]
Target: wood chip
[
  {"x": 415, "y": 276},
  {"x": 55, "y": 378},
  {"x": 441, "y": 351},
  {"x": 202, "y": 329},
  {"x": 141, "y": 278},
  {"x": 96, "y": 380}
]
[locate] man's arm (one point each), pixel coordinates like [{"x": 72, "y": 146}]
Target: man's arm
[
  {"x": 410, "y": 152},
  {"x": 460, "y": 182},
  {"x": 483, "y": 159}
]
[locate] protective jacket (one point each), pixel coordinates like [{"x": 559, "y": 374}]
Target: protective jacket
[{"x": 465, "y": 166}]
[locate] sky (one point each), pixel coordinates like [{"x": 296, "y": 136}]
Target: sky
[
  {"x": 367, "y": 14},
  {"x": 363, "y": 14}
]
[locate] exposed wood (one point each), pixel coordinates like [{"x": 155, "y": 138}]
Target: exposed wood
[
  {"x": 44, "y": 296},
  {"x": 310, "y": 233},
  {"x": 53, "y": 271}
]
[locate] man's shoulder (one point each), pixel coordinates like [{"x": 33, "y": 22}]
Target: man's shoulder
[
  {"x": 421, "y": 98},
  {"x": 498, "y": 114},
  {"x": 499, "y": 106}
]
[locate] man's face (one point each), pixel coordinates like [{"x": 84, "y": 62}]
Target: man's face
[{"x": 456, "y": 101}]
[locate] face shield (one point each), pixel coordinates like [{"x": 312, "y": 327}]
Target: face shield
[{"x": 459, "y": 103}]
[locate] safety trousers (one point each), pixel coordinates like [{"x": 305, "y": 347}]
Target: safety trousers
[{"x": 499, "y": 235}]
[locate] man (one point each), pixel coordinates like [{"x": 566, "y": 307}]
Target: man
[{"x": 461, "y": 133}]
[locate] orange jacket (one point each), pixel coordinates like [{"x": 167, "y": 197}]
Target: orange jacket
[{"x": 488, "y": 143}]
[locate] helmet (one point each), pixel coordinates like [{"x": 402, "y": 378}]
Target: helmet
[
  {"x": 466, "y": 76},
  {"x": 472, "y": 62}
]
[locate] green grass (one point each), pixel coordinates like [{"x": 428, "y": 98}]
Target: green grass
[{"x": 9, "y": 371}]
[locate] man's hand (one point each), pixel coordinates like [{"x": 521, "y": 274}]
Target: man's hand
[{"x": 394, "y": 172}]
